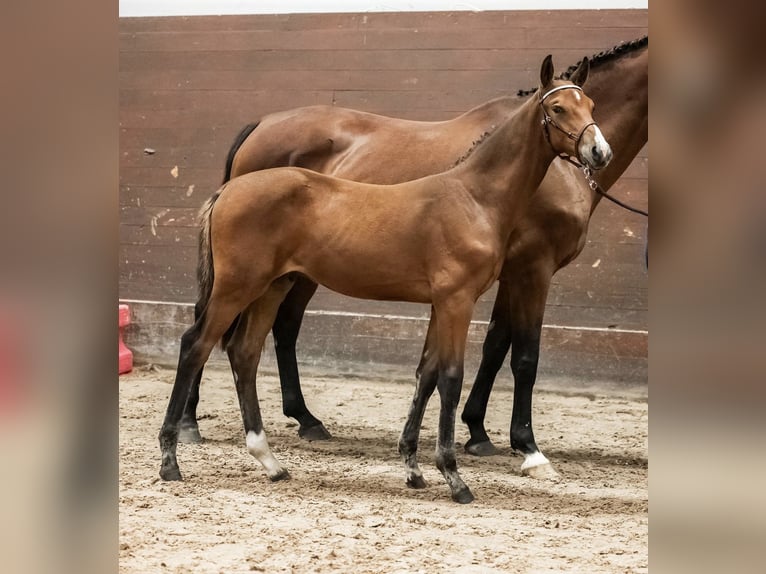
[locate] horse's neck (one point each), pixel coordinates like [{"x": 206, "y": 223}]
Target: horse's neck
[
  {"x": 509, "y": 165},
  {"x": 489, "y": 114},
  {"x": 621, "y": 93}
]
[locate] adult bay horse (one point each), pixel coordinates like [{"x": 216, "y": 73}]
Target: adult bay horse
[
  {"x": 441, "y": 239},
  {"x": 376, "y": 149}
]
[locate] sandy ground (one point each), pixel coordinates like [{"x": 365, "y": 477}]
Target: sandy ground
[{"x": 346, "y": 507}]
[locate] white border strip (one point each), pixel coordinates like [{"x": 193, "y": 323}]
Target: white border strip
[
  {"x": 405, "y": 318},
  {"x": 132, "y": 8}
]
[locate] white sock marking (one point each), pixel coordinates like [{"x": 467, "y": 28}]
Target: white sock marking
[
  {"x": 258, "y": 446},
  {"x": 534, "y": 459}
]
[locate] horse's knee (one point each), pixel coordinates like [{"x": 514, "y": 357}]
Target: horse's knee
[
  {"x": 498, "y": 339},
  {"x": 524, "y": 364},
  {"x": 449, "y": 384}
]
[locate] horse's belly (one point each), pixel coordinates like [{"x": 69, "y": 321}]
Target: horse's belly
[{"x": 370, "y": 279}]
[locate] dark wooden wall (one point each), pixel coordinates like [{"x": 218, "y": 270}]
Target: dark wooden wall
[{"x": 187, "y": 86}]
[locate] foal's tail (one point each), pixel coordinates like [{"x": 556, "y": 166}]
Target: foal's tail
[
  {"x": 238, "y": 141},
  {"x": 205, "y": 273},
  {"x": 205, "y": 258}
]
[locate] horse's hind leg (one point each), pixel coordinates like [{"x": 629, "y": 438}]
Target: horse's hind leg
[
  {"x": 196, "y": 344},
  {"x": 244, "y": 352},
  {"x": 427, "y": 374},
  {"x": 188, "y": 431},
  {"x": 286, "y": 327}
]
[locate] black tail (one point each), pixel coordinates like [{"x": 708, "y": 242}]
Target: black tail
[{"x": 238, "y": 141}]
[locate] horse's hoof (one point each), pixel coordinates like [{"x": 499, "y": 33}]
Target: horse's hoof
[
  {"x": 417, "y": 482},
  {"x": 171, "y": 473},
  {"x": 189, "y": 435},
  {"x": 543, "y": 471},
  {"x": 281, "y": 475},
  {"x": 463, "y": 496},
  {"x": 314, "y": 433},
  {"x": 485, "y": 448}
]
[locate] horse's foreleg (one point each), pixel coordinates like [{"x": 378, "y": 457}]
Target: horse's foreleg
[
  {"x": 496, "y": 346},
  {"x": 453, "y": 320},
  {"x": 188, "y": 431},
  {"x": 196, "y": 344},
  {"x": 527, "y": 309},
  {"x": 286, "y": 327},
  {"x": 244, "y": 352},
  {"x": 426, "y": 374}
]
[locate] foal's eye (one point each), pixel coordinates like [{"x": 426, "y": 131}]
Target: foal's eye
[{"x": 558, "y": 110}]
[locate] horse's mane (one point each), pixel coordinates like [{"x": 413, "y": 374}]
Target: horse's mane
[
  {"x": 599, "y": 59},
  {"x": 474, "y": 145},
  {"x": 595, "y": 61}
]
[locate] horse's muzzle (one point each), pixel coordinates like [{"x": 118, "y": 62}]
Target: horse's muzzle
[{"x": 593, "y": 148}]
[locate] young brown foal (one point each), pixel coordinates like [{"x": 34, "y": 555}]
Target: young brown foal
[{"x": 441, "y": 240}]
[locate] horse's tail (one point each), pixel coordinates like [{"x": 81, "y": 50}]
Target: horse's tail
[
  {"x": 238, "y": 141},
  {"x": 205, "y": 273},
  {"x": 205, "y": 259}
]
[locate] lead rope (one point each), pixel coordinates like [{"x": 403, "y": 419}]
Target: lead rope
[{"x": 593, "y": 184}]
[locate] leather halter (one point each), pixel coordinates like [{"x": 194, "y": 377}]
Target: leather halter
[
  {"x": 579, "y": 163},
  {"x": 549, "y": 121}
]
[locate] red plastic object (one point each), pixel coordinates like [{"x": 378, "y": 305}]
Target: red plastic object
[{"x": 126, "y": 355}]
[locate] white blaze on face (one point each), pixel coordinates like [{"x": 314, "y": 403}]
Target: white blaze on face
[
  {"x": 602, "y": 144},
  {"x": 593, "y": 138},
  {"x": 258, "y": 446}
]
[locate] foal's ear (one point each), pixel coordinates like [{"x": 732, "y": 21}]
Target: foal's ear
[
  {"x": 579, "y": 76},
  {"x": 546, "y": 71}
]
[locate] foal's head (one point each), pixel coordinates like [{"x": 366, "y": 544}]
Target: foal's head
[{"x": 567, "y": 109}]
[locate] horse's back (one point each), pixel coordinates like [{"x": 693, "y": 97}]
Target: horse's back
[{"x": 351, "y": 144}]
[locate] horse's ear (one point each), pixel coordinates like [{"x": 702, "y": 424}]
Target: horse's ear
[
  {"x": 581, "y": 73},
  {"x": 546, "y": 71}
]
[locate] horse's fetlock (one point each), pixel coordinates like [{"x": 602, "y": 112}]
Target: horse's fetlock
[{"x": 523, "y": 440}]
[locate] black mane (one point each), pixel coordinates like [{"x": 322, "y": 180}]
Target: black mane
[{"x": 598, "y": 59}]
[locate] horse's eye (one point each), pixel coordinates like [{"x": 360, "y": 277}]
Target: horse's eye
[{"x": 558, "y": 110}]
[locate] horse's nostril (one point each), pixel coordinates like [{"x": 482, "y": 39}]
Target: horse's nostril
[{"x": 595, "y": 152}]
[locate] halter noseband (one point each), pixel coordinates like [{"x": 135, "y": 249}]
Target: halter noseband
[
  {"x": 579, "y": 163},
  {"x": 549, "y": 121}
]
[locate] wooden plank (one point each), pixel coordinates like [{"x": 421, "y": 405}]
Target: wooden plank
[
  {"x": 631, "y": 18},
  {"x": 165, "y": 196},
  {"x": 342, "y": 39},
  {"x": 324, "y": 80},
  {"x": 333, "y": 60},
  {"x": 131, "y": 234}
]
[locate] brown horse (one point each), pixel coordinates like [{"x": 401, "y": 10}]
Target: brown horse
[
  {"x": 376, "y": 149},
  {"x": 441, "y": 240}
]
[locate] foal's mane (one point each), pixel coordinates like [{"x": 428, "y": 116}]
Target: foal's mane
[
  {"x": 601, "y": 58},
  {"x": 474, "y": 145}
]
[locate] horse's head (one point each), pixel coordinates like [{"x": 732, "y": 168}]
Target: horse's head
[{"x": 567, "y": 109}]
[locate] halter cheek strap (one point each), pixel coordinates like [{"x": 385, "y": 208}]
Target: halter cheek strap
[
  {"x": 549, "y": 121},
  {"x": 587, "y": 171}
]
